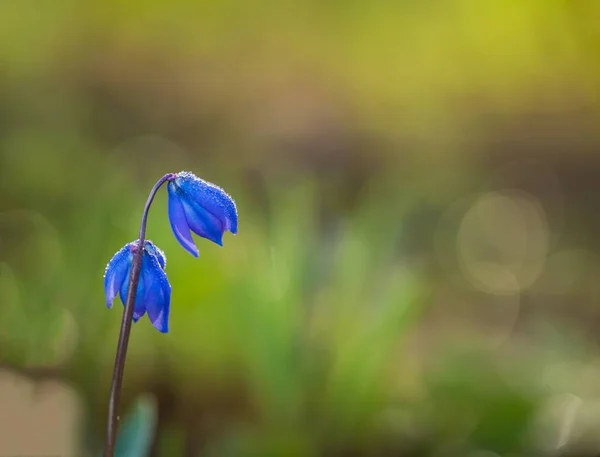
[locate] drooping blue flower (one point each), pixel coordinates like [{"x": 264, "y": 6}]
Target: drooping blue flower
[
  {"x": 202, "y": 207},
  {"x": 153, "y": 290}
]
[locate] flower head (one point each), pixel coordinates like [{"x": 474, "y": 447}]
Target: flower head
[
  {"x": 153, "y": 290},
  {"x": 202, "y": 207}
]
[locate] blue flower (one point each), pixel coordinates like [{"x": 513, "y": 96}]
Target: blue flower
[
  {"x": 153, "y": 290},
  {"x": 202, "y": 207}
]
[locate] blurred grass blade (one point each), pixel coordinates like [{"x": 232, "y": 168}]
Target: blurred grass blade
[{"x": 137, "y": 430}]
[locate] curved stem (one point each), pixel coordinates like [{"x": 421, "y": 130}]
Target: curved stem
[{"x": 117, "y": 379}]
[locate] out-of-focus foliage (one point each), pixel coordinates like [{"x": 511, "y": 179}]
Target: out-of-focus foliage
[
  {"x": 415, "y": 269},
  {"x": 135, "y": 433}
]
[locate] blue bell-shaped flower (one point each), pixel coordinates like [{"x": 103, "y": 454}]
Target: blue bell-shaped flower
[
  {"x": 153, "y": 291},
  {"x": 202, "y": 207}
]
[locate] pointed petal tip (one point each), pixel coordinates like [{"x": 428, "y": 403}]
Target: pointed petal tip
[
  {"x": 232, "y": 227},
  {"x": 161, "y": 328},
  {"x": 232, "y": 222},
  {"x": 160, "y": 320},
  {"x": 217, "y": 239},
  {"x": 137, "y": 315},
  {"x": 192, "y": 249},
  {"x": 195, "y": 252}
]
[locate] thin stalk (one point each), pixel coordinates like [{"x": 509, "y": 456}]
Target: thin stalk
[{"x": 112, "y": 425}]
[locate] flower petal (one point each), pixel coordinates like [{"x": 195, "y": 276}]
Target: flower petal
[
  {"x": 202, "y": 222},
  {"x": 139, "y": 308},
  {"x": 154, "y": 250},
  {"x": 158, "y": 294},
  {"x": 178, "y": 221},
  {"x": 115, "y": 273},
  {"x": 210, "y": 197}
]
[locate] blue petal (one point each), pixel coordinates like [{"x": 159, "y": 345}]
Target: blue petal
[
  {"x": 210, "y": 197},
  {"x": 178, "y": 221},
  {"x": 140, "y": 305},
  {"x": 115, "y": 273},
  {"x": 158, "y": 294},
  {"x": 202, "y": 222},
  {"x": 152, "y": 249}
]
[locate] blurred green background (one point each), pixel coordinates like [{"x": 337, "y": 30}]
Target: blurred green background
[{"x": 416, "y": 269}]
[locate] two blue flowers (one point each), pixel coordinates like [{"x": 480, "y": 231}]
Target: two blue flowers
[{"x": 195, "y": 206}]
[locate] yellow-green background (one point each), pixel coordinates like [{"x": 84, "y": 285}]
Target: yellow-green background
[{"x": 416, "y": 269}]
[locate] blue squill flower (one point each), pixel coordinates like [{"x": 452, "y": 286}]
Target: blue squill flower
[
  {"x": 202, "y": 207},
  {"x": 153, "y": 290}
]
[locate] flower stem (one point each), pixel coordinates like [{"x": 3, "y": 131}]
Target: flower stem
[{"x": 117, "y": 379}]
